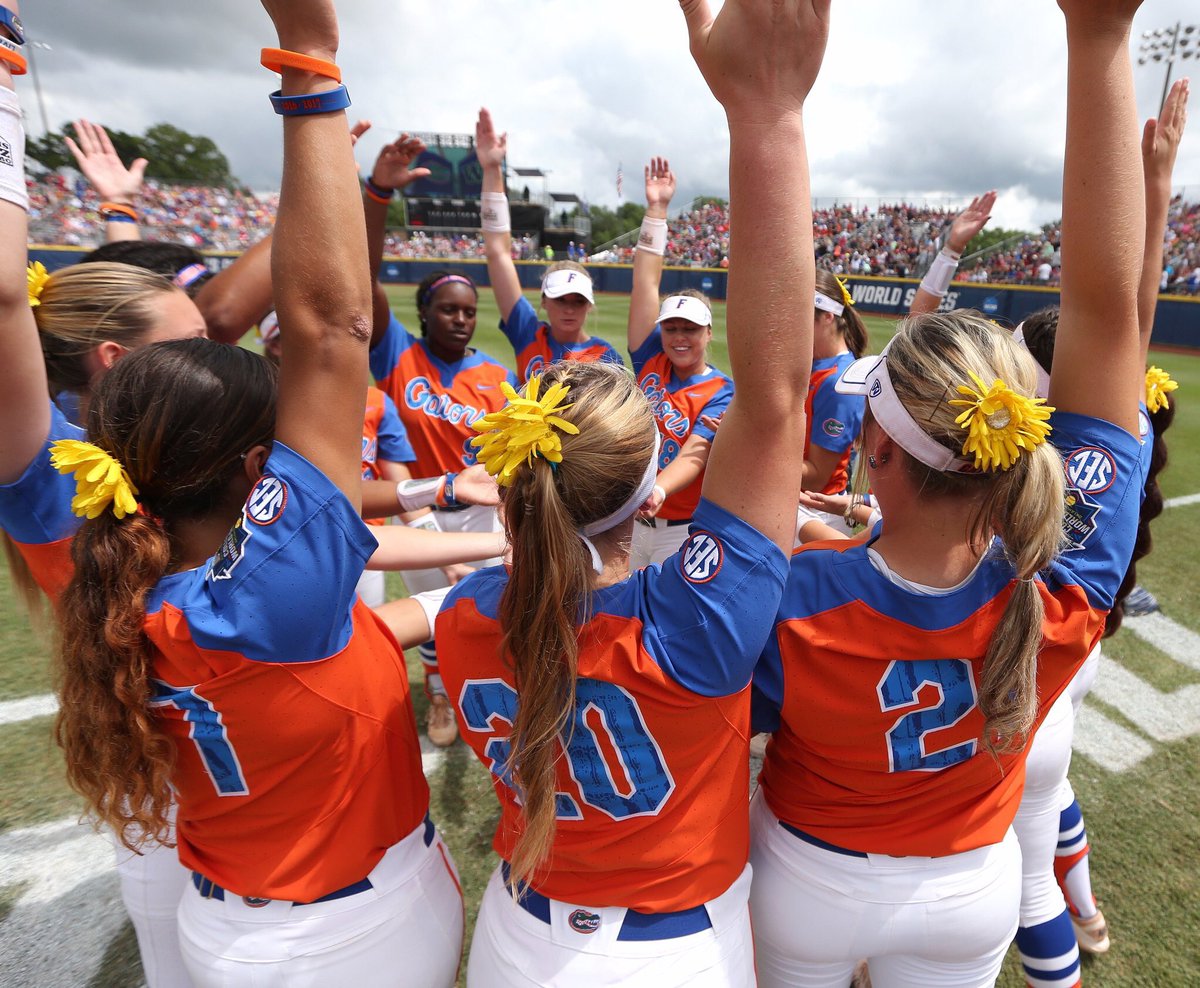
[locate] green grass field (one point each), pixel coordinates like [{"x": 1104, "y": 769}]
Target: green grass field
[{"x": 1142, "y": 822}]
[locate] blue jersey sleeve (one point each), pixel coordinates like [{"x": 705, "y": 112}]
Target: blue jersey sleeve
[
  {"x": 836, "y": 418},
  {"x": 1104, "y": 491},
  {"x": 392, "y": 437},
  {"x": 385, "y": 354},
  {"x": 651, "y": 347},
  {"x": 521, "y": 326},
  {"x": 282, "y": 584},
  {"x": 610, "y": 355},
  {"x": 35, "y": 509},
  {"x": 715, "y": 407},
  {"x": 709, "y": 609}
]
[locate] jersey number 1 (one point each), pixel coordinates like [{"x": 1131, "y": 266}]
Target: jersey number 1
[{"x": 646, "y": 783}]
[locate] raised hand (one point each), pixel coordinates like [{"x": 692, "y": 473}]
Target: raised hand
[
  {"x": 660, "y": 183},
  {"x": 307, "y": 26},
  {"x": 102, "y": 167},
  {"x": 1161, "y": 137},
  {"x": 760, "y": 58},
  {"x": 970, "y": 221},
  {"x": 490, "y": 148},
  {"x": 392, "y": 167}
]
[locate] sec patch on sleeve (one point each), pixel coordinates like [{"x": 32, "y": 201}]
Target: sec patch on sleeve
[
  {"x": 266, "y": 501},
  {"x": 1091, "y": 469},
  {"x": 702, "y": 557}
]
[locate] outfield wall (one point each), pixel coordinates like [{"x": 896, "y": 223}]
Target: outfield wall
[{"x": 1176, "y": 321}]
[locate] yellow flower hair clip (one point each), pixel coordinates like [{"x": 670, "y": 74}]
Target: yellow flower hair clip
[
  {"x": 1158, "y": 385},
  {"x": 36, "y": 277},
  {"x": 846, "y": 299},
  {"x": 1000, "y": 423},
  {"x": 100, "y": 480},
  {"x": 523, "y": 429}
]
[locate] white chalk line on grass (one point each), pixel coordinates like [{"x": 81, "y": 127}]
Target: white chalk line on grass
[
  {"x": 1179, "y": 502},
  {"x": 27, "y": 707}
]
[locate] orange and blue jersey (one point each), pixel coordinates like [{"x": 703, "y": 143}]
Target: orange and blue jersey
[
  {"x": 834, "y": 420},
  {"x": 384, "y": 436},
  {"x": 871, "y": 688},
  {"x": 678, "y": 404},
  {"x": 652, "y": 788},
  {"x": 437, "y": 402},
  {"x": 297, "y": 759},
  {"x": 535, "y": 347},
  {"x": 35, "y": 511}
]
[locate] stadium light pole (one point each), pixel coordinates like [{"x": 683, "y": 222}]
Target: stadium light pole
[
  {"x": 1169, "y": 44},
  {"x": 37, "y": 82}
]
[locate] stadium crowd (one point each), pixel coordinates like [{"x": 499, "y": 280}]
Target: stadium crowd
[
  {"x": 65, "y": 210},
  {"x": 899, "y": 239}
]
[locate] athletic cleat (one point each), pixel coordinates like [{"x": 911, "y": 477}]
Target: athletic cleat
[
  {"x": 440, "y": 725},
  {"x": 1140, "y": 602},
  {"x": 1091, "y": 934}
]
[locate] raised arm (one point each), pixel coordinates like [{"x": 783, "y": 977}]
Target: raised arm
[
  {"x": 392, "y": 171},
  {"x": 648, "y": 258},
  {"x": 24, "y": 398},
  {"x": 491, "y": 148},
  {"x": 760, "y": 59},
  {"x": 234, "y": 299},
  {"x": 1160, "y": 145},
  {"x": 1103, "y": 215},
  {"x": 115, "y": 184},
  {"x": 941, "y": 272},
  {"x": 323, "y": 296}
]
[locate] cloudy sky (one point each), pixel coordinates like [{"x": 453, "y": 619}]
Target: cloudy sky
[{"x": 934, "y": 99}]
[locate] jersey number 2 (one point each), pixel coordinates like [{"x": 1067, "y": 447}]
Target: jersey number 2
[
  {"x": 637, "y": 783},
  {"x": 208, "y": 733},
  {"x": 898, "y": 688}
]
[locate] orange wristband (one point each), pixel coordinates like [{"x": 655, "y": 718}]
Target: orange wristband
[
  {"x": 14, "y": 58},
  {"x": 276, "y": 59},
  {"x": 116, "y": 207}
]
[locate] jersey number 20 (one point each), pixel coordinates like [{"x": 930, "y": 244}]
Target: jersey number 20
[
  {"x": 907, "y": 740},
  {"x": 630, "y": 778}
]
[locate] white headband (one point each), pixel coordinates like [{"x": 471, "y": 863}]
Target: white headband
[
  {"x": 826, "y": 304},
  {"x": 869, "y": 376},
  {"x": 626, "y": 510},
  {"x": 685, "y": 307},
  {"x": 1043, "y": 379}
]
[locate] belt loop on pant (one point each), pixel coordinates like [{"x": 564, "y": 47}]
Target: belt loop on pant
[
  {"x": 817, "y": 842},
  {"x": 211, "y": 890},
  {"x": 636, "y": 926}
]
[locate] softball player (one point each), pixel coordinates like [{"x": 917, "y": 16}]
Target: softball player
[
  {"x": 280, "y": 707},
  {"x": 897, "y": 761},
  {"x": 566, "y": 286},
  {"x": 668, "y": 344},
  {"x": 618, "y": 745},
  {"x": 85, "y": 318}
]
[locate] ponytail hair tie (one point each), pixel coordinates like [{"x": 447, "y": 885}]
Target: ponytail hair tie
[{"x": 101, "y": 482}]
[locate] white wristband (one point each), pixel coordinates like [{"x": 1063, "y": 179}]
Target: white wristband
[
  {"x": 653, "y": 235},
  {"x": 12, "y": 151},
  {"x": 493, "y": 212},
  {"x": 662, "y": 494},
  {"x": 941, "y": 272},
  {"x": 414, "y": 494},
  {"x": 431, "y": 603},
  {"x": 874, "y": 518}
]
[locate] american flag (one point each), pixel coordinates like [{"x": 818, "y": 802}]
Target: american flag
[{"x": 620, "y": 182}]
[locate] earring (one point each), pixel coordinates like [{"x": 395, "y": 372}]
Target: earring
[{"x": 871, "y": 462}]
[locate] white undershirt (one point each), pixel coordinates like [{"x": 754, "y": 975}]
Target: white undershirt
[{"x": 881, "y": 567}]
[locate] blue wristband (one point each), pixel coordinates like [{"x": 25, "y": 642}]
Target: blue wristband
[
  {"x": 11, "y": 21},
  {"x": 448, "y": 499},
  {"x": 329, "y": 101}
]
